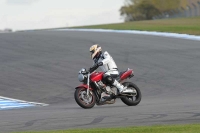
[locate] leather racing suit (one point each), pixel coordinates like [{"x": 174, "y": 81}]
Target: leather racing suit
[{"x": 111, "y": 71}]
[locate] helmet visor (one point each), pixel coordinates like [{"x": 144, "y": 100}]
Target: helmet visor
[{"x": 92, "y": 52}]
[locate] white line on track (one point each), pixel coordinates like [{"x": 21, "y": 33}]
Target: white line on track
[
  {"x": 10, "y": 103},
  {"x": 154, "y": 33}
]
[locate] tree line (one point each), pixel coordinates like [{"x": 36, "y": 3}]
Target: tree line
[{"x": 135, "y": 10}]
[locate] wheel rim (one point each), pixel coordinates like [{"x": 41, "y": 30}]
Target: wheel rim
[
  {"x": 87, "y": 100},
  {"x": 135, "y": 97}
]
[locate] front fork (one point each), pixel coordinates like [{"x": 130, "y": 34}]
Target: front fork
[
  {"x": 88, "y": 83},
  {"x": 88, "y": 89}
]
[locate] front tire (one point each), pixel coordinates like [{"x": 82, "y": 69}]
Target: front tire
[
  {"x": 132, "y": 100},
  {"x": 83, "y": 100}
]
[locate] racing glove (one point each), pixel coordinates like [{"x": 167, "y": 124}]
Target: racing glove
[{"x": 92, "y": 69}]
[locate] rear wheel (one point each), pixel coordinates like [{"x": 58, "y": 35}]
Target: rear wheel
[
  {"x": 83, "y": 100},
  {"x": 132, "y": 100}
]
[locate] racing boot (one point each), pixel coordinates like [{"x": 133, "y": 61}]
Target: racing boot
[{"x": 122, "y": 89}]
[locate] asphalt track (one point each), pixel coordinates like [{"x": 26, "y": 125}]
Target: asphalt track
[{"x": 42, "y": 66}]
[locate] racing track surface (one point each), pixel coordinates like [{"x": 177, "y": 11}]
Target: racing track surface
[{"x": 42, "y": 66}]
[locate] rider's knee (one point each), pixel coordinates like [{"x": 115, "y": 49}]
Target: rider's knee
[{"x": 107, "y": 79}]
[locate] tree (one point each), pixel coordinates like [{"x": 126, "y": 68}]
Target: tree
[
  {"x": 146, "y": 9},
  {"x": 128, "y": 10},
  {"x": 166, "y": 5}
]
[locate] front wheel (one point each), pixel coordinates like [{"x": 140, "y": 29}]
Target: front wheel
[
  {"x": 83, "y": 100},
  {"x": 132, "y": 100}
]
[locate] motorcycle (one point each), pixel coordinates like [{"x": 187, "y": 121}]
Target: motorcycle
[{"x": 95, "y": 91}]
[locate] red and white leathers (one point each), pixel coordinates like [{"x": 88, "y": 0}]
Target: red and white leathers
[{"x": 110, "y": 68}]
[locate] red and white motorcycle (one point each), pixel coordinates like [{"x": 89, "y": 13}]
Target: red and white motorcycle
[{"x": 95, "y": 91}]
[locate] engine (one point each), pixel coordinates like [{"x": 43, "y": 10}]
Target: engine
[
  {"x": 101, "y": 85},
  {"x": 107, "y": 89}
]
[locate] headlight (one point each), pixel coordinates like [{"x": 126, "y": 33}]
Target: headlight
[{"x": 81, "y": 77}]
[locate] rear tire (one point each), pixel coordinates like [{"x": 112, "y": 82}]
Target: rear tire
[
  {"x": 132, "y": 100},
  {"x": 82, "y": 100}
]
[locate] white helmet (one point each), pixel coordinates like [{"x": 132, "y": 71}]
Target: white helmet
[{"x": 95, "y": 50}]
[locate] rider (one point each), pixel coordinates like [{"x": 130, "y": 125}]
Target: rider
[{"x": 107, "y": 64}]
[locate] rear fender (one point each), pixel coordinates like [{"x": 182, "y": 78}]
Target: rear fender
[
  {"x": 83, "y": 86},
  {"x": 128, "y": 74}
]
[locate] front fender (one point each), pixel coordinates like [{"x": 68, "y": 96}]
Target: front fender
[{"x": 83, "y": 86}]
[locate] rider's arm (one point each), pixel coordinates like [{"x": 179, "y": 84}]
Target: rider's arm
[
  {"x": 107, "y": 58},
  {"x": 95, "y": 66}
]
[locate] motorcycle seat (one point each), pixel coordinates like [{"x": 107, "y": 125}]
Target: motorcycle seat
[{"x": 120, "y": 74}]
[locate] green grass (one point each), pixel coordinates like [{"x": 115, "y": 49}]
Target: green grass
[
  {"x": 180, "y": 25},
  {"x": 193, "y": 128}
]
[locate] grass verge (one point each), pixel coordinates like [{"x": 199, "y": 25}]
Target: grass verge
[
  {"x": 192, "y": 128},
  {"x": 180, "y": 25}
]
